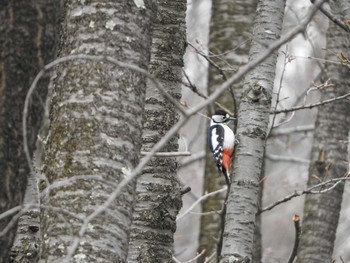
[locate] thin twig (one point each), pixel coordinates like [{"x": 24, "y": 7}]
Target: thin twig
[
  {"x": 275, "y": 157},
  {"x": 224, "y": 77},
  {"x": 185, "y": 190},
  {"x": 210, "y": 61},
  {"x": 242, "y": 71},
  {"x": 296, "y": 220},
  {"x": 286, "y": 61},
  {"x": 207, "y": 260},
  {"x": 310, "y": 106},
  {"x": 167, "y": 154},
  {"x": 202, "y": 198},
  {"x": 192, "y": 87},
  {"x": 195, "y": 258},
  {"x": 290, "y": 130},
  {"x": 24, "y": 208},
  {"x": 310, "y": 190},
  {"x": 193, "y": 158},
  {"x": 333, "y": 18}
]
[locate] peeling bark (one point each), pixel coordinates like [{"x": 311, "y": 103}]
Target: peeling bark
[
  {"x": 158, "y": 189},
  {"x": 253, "y": 116},
  {"x": 95, "y": 129},
  {"x": 27, "y": 41},
  {"x": 328, "y": 156}
]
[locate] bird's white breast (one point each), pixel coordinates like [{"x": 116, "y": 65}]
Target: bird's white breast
[{"x": 229, "y": 138}]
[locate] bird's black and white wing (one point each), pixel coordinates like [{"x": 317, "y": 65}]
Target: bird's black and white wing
[{"x": 216, "y": 143}]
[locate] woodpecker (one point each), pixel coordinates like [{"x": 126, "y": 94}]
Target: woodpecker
[{"x": 221, "y": 141}]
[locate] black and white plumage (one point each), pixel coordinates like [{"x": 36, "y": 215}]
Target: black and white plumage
[{"x": 221, "y": 142}]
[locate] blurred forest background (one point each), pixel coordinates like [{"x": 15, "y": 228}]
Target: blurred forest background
[
  {"x": 104, "y": 109},
  {"x": 289, "y": 145}
]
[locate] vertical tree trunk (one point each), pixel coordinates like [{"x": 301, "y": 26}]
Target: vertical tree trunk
[
  {"x": 229, "y": 42},
  {"x": 95, "y": 130},
  {"x": 253, "y": 116},
  {"x": 27, "y": 41},
  {"x": 158, "y": 197},
  {"x": 329, "y": 154}
]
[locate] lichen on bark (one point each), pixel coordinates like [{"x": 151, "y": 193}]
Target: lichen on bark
[
  {"x": 158, "y": 189},
  {"x": 95, "y": 130}
]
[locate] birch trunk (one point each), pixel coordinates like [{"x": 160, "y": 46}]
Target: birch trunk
[
  {"x": 253, "y": 116},
  {"x": 158, "y": 197},
  {"x": 329, "y": 153},
  {"x": 95, "y": 130}
]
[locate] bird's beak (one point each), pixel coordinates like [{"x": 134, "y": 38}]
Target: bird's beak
[{"x": 232, "y": 118}]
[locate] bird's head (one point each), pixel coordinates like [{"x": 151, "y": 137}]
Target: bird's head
[{"x": 221, "y": 116}]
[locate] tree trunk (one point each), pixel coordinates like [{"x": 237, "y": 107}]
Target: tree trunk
[
  {"x": 158, "y": 197},
  {"x": 253, "y": 117},
  {"x": 329, "y": 154},
  {"x": 27, "y": 42},
  {"x": 95, "y": 131},
  {"x": 229, "y": 42}
]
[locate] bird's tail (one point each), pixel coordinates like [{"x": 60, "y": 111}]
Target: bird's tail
[{"x": 227, "y": 177}]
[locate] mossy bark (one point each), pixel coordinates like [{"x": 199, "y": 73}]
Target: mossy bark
[
  {"x": 158, "y": 190},
  {"x": 95, "y": 129},
  {"x": 27, "y": 41}
]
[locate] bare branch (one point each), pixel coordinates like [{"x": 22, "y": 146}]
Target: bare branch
[
  {"x": 310, "y": 106},
  {"x": 24, "y": 208},
  {"x": 202, "y": 198},
  {"x": 310, "y": 190},
  {"x": 211, "y": 62},
  {"x": 286, "y": 61},
  {"x": 185, "y": 190},
  {"x": 282, "y": 158},
  {"x": 211, "y": 257},
  {"x": 193, "y": 158},
  {"x": 195, "y": 90},
  {"x": 296, "y": 220},
  {"x": 192, "y": 86},
  {"x": 300, "y": 28},
  {"x": 290, "y": 130},
  {"x": 328, "y": 13},
  {"x": 192, "y": 259},
  {"x": 168, "y": 154}
]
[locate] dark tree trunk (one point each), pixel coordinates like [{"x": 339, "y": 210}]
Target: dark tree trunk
[
  {"x": 329, "y": 154},
  {"x": 95, "y": 131},
  {"x": 158, "y": 197},
  {"x": 27, "y": 41}
]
